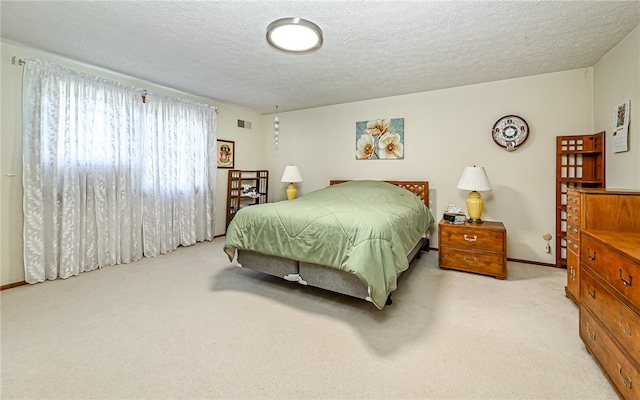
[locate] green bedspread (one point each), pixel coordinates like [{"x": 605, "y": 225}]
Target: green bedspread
[{"x": 366, "y": 228}]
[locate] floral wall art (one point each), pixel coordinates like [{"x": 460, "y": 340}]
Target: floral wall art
[{"x": 380, "y": 139}]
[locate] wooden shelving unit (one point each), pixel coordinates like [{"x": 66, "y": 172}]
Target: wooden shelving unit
[
  {"x": 245, "y": 188},
  {"x": 580, "y": 163}
]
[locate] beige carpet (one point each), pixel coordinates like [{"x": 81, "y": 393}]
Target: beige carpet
[{"x": 188, "y": 325}]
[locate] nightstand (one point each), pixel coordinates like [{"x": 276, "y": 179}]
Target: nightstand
[{"x": 479, "y": 248}]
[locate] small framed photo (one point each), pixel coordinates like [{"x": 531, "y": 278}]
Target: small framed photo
[{"x": 225, "y": 153}]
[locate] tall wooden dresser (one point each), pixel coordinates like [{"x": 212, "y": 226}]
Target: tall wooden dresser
[
  {"x": 574, "y": 223},
  {"x": 610, "y": 285}
]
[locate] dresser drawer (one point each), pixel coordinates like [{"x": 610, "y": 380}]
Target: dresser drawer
[
  {"x": 573, "y": 230},
  {"x": 573, "y": 276},
  {"x": 472, "y": 238},
  {"x": 619, "y": 369},
  {"x": 573, "y": 243},
  {"x": 620, "y": 320},
  {"x": 617, "y": 270},
  {"x": 481, "y": 263},
  {"x": 573, "y": 201},
  {"x": 573, "y": 198},
  {"x": 573, "y": 210},
  {"x": 573, "y": 217}
]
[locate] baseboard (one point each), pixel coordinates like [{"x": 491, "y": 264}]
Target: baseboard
[
  {"x": 12, "y": 285},
  {"x": 531, "y": 262}
]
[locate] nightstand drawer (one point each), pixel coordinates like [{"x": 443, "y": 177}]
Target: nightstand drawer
[
  {"x": 468, "y": 237},
  {"x": 473, "y": 261}
]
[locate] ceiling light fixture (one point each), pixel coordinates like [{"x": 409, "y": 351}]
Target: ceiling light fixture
[{"x": 294, "y": 36}]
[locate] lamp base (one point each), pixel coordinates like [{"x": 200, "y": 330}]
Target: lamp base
[
  {"x": 292, "y": 192},
  {"x": 475, "y": 204}
]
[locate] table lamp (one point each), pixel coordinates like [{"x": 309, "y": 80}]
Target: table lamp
[
  {"x": 292, "y": 175},
  {"x": 474, "y": 179}
]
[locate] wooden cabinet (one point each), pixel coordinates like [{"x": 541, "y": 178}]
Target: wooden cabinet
[
  {"x": 479, "y": 248},
  {"x": 610, "y": 285},
  {"x": 610, "y": 306},
  {"x": 601, "y": 209},
  {"x": 580, "y": 163},
  {"x": 245, "y": 188}
]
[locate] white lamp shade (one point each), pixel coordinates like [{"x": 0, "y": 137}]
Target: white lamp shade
[
  {"x": 474, "y": 178},
  {"x": 291, "y": 174}
]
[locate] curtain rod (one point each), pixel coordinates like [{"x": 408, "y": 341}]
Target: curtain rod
[
  {"x": 143, "y": 92},
  {"x": 20, "y": 61}
]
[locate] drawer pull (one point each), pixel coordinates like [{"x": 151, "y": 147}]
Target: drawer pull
[
  {"x": 575, "y": 246},
  {"x": 470, "y": 260},
  {"x": 592, "y": 334},
  {"x": 469, "y": 239},
  {"x": 572, "y": 273},
  {"x": 591, "y": 257},
  {"x": 625, "y": 379},
  {"x": 592, "y": 295},
  {"x": 574, "y": 230},
  {"x": 625, "y": 330},
  {"x": 624, "y": 281}
]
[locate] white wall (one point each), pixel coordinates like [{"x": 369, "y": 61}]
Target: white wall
[
  {"x": 617, "y": 79},
  {"x": 248, "y": 142},
  {"x": 445, "y": 131}
]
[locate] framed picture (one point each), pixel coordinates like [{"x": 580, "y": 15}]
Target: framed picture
[
  {"x": 225, "y": 153},
  {"x": 380, "y": 139}
]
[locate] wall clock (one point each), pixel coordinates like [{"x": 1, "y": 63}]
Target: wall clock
[{"x": 510, "y": 132}]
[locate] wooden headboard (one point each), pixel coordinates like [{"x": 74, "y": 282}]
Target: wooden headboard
[{"x": 419, "y": 188}]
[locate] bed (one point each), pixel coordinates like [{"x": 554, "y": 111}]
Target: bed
[{"x": 352, "y": 237}]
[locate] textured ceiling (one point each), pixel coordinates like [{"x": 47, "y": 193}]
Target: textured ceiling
[{"x": 372, "y": 49}]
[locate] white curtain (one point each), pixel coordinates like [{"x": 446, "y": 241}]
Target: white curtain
[
  {"x": 179, "y": 173},
  {"x": 108, "y": 178}
]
